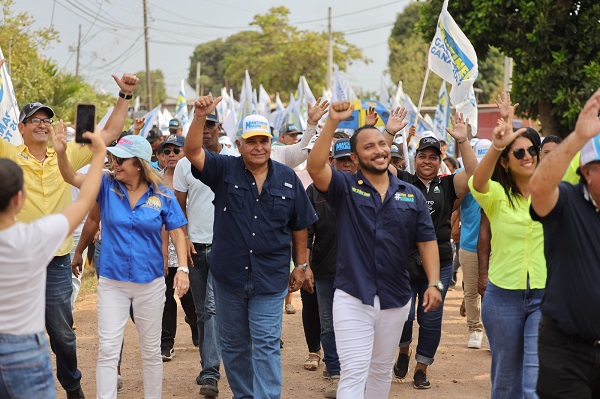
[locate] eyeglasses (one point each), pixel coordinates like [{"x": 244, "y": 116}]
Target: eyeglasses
[
  {"x": 37, "y": 121},
  {"x": 112, "y": 158},
  {"x": 520, "y": 152},
  {"x": 168, "y": 151}
]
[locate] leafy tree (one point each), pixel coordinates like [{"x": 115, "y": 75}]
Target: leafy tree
[
  {"x": 159, "y": 91},
  {"x": 554, "y": 46},
  {"x": 275, "y": 55},
  {"x": 408, "y": 61}
]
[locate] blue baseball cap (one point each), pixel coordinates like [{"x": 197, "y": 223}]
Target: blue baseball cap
[
  {"x": 591, "y": 151},
  {"x": 341, "y": 148},
  {"x": 132, "y": 146},
  {"x": 213, "y": 116},
  {"x": 173, "y": 139}
]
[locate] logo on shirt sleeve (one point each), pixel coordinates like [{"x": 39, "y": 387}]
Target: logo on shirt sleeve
[
  {"x": 153, "y": 202},
  {"x": 360, "y": 192}
]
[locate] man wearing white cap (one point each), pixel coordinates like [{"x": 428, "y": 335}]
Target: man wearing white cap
[
  {"x": 569, "y": 336},
  {"x": 261, "y": 207}
]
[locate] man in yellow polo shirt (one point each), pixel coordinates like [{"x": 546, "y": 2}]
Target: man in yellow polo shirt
[{"x": 47, "y": 193}]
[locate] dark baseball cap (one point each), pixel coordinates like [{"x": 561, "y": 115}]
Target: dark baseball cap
[
  {"x": 429, "y": 142},
  {"x": 173, "y": 139},
  {"x": 32, "y": 108},
  {"x": 290, "y": 128},
  {"x": 174, "y": 124},
  {"x": 396, "y": 152},
  {"x": 341, "y": 148},
  {"x": 213, "y": 116},
  {"x": 153, "y": 135}
]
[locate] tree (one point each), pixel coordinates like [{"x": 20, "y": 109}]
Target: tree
[
  {"x": 159, "y": 91},
  {"x": 275, "y": 55},
  {"x": 554, "y": 46},
  {"x": 407, "y": 62}
]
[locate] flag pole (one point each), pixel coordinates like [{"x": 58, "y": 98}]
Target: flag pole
[{"x": 423, "y": 90}]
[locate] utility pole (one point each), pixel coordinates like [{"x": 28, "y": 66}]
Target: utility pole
[
  {"x": 78, "y": 47},
  {"x": 148, "y": 77},
  {"x": 329, "y": 50},
  {"x": 198, "y": 66}
]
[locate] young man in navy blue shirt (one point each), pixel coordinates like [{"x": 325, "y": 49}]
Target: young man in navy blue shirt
[
  {"x": 379, "y": 219},
  {"x": 260, "y": 207}
]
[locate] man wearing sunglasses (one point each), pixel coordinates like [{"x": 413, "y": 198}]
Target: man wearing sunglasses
[{"x": 47, "y": 193}]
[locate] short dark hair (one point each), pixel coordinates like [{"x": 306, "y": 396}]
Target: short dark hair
[
  {"x": 452, "y": 161},
  {"x": 354, "y": 137},
  {"x": 551, "y": 139},
  {"x": 340, "y": 135},
  {"x": 11, "y": 181}
]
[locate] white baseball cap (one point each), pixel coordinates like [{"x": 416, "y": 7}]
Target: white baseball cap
[
  {"x": 481, "y": 148},
  {"x": 255, "y": 125},
  {"x": 591, "y": 151},
  {"x": 311, "y": 143}
]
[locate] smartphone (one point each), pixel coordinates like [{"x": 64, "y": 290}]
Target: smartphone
[{"x": 85, "y": 121}]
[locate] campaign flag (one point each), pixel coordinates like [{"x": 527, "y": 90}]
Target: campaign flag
[
  {"x": 469, "y": 109},
  {"x": 305, "y": 96},
  {"x": 277, "y": 118},
  {"x": 181, "y": 109},
  {"x": 338, "y": 91},
  {"x": 9, "y": 109},
  {"x": 441, "y": 119},
  {"x": 264, "y": 102},
  {"x": 246, "y": 100},
  {"x": 425, "y": 124},
  {"x": 384, "y": 96},
  {"x": 104, "y": 119},
  {"x": 136, "y": 104},
  {"x": 151, "y": 120},
  {"x": 453, "y": 58}
]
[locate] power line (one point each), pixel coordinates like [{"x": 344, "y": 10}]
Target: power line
[{"x": 348, "y": 13}]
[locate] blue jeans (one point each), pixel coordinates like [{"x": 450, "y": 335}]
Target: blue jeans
[
  {"x": 25, "y": 368},
  {"x": 201, "y": 285},
  {"x": 249, "y": 329},
  {"x": 59, "y": 321},
  {"x": 325, "y": 292},
  {"x": 430, "y": 323},
  {"x": 511, "y": 319}
]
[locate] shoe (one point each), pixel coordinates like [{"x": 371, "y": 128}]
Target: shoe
[
  {"x": 120, "y": 385},
  {"x": 209, "y": 388},
  {"x": 401, "y": 366},
  {"x": 463, "y": 309},
  {"x": 75, "y": 394},
  {"x": 280, "y": 343},
  {"x": 289, "y": 309},
  {"x": 475, "y": 339},
  {"x": 420, "y": 380},
  {"x": 331, "y": 390},
  {"x": 167, "y": 354},
  {"x": 312, "y": 361}
]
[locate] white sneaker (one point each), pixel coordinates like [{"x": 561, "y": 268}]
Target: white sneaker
[{"x": 475, "y": 339}]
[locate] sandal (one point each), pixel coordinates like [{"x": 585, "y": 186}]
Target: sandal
[
  {"x": 289, "y": 309},
  {"x": 312, "y": 361}
]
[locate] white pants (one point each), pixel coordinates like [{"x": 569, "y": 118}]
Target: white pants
[
  {"x": 366, "y": 339},
  {"x": 148, "y": 301}
]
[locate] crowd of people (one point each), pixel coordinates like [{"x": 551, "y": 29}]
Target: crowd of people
[{"x": 233, "y": 232}]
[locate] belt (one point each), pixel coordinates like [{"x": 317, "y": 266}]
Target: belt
[{"x": 203, "y": 245}]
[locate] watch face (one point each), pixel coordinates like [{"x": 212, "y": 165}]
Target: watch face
[{"x": 440, "y": 286}]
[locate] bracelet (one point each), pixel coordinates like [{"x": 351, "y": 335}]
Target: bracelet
[
  {"x": 302, "y": 266},
  {"x": 388, "y": 132},
  {"x": 184, "y": 269},
  {"x": 496, "y": 148},
  {"x": 125, "y": 96},
  {"x": 462, "y": 141}
]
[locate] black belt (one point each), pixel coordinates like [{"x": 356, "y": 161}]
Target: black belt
[{"x": 203, "y": 245}]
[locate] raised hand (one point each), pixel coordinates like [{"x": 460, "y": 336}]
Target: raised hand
[
  {"x": 588, "y": 123},
  {"x": 138, "y": 123},
  {"x": 316, "y": 111},
  {"x": 59, "y": 137},
  {"x": 507, "y": 110},
  {"x": 341, "y": 110},
  {"x": 503, "y": 135},
  {"x": 396, "y": 122},
  {"x": 372, "y": 117},
  {"x": 459, "y": 126},
  {"x": 205, "y": 105},
  {"x": 127, "y": 83},
  {"x": 412, "y": 131}
]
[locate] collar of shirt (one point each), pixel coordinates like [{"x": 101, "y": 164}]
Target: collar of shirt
[{"x": 588, "y": 197}]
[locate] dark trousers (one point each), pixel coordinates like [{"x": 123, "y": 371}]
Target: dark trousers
[
  {"x": 169, "y": 320},
  {"x": 569, "y": 365},
  {"x": 310, "y": 320}
]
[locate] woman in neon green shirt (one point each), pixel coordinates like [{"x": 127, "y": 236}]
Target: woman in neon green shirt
[{"x": 517, "y": 275}]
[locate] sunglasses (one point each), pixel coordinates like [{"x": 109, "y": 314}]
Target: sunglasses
[
  {"x": 112, "y": 158},
  {"x": 174, "y": 150},
  {"x": 520, "y": 153}
]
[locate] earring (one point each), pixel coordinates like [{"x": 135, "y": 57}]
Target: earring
[{"x": 139, "y": 169}]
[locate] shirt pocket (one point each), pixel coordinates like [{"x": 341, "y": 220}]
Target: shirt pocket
[
  {"x": 236, "y": 195},
  {"x": 400, "y": 215},
  {"x": 283, "y": 204}
]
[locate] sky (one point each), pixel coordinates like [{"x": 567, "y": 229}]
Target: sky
[{"x": 113, "y": 35}]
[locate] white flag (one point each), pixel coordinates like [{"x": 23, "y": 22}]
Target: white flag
[
  {"x": 181, "y": 109},
  {"x": 384, "y": 96},
  {"x": 136, "y": 104},
  {"x": 264, "y": 102},
  {"x": 104, "y": 119},
  {"x": 442, "y": 114},
  {"x": 469, "y": 109},
  {"x": 151, "y": 120},
  {"x": 9, "y": 109}
]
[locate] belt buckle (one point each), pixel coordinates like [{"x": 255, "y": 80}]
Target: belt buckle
[{"x": 596, "y": 344}]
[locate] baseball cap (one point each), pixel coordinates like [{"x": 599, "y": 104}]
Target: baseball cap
[
  {"x": 341, "y": 148},
  {"x": 255, "y": 125},
  {"x": 153, "y": 135},
  {"x": 174, "y": 124},
  {"x": 290, "y": 128},
  {"x": 225, "y": 140},
  {"x": 427, "y": 133},
  {"x": 32, "y": 108},
  {"x": 473, "y": 141},
  {"x": 481, "y": 148},
  {"x": 429, "y": 142},
  {"x": 591, "y": 151},
  {"x": 132, "y": 146},
  {"x": 396, "y": 152},
  {"x": 311, "y": 143},
  {"x": 173, "y": 139},
  {"x": 213, "y": 116}
]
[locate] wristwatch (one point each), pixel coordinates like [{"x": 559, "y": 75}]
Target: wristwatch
[
  {"x": 125, "y": 96},
  {"x": 302, "y": 266},
  {"x": 437, "y": 284},
  {"x": 184, "y": 269}
]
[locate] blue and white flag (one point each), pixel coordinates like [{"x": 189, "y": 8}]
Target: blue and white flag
[
  {"x": 181, "y": 109},
  {"x": 338, "y": 91},
  {"x": 104, "y": 119},
  {"x": 452, "y": 57},
  {"x": 9, "y": 109},
  {"x": 469, "y": 109},
  {"x": 151, "y": 120},
  {"x": 441, "y": 119},
  {"x": 264, "y": 102}
]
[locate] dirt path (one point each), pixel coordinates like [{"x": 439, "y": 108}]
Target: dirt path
[{"x": 458, "y": 372}]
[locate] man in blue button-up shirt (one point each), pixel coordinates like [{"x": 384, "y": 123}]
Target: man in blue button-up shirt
[
  {"x": 379, "y": 219},
  {"x": 260, "y": 207}
]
